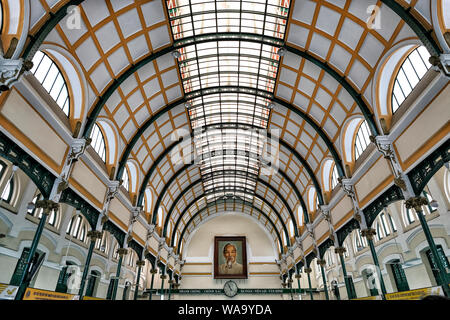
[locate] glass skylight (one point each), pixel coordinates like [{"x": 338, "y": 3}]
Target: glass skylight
[{"x": 229, "y": 63}]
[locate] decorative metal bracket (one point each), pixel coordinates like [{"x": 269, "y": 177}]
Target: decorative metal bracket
[
  {"x": 77, "y": 148},
  {"x": 113, "y": 189},
  {"x": 11, "y": 70},
  {"x": 441, "y": 63},
  {"x": 150, "y": 231}
]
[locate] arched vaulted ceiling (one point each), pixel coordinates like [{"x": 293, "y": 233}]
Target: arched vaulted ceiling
[{"x": 228, "y": 71}]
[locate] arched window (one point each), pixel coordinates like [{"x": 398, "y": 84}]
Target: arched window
[
  {"x": 427, "y": 194},
  {"x": 8, "y": 191},
  {"x": 346, "y": 253},
  {"x": 160, "y": 216},
  {"x": 300, "y": 215},
  {"x": 126, "y": 181},
  {"x": 412, "y": 70},
  {"x": 115, "y": 253},
  {"x": 291, "y": 228},
  {"x": 175, "y": 238},
  {"x": 102, "y": 244},
  {"x": 360, "y": 241},
  {"x": 148, "y": 200},
  {"x": 51, "y": 78},
  {"x": 284, "y": 239},
  {"x": 131, "y": 258},
  {"x": 77, "y": 228},
  {"x": 334, "y": 178},
  {"x": 98, "y": 142},
  {"x": 362, "y": 139}
]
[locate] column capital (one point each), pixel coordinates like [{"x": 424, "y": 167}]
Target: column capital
[
  {"x": 47, "y": 205},
  {"x": 298, "y": 276},
  {"x": 321, "y": 262},
  {"x": 307, "y": 270},
  {"x": 416, "y": 203},
  {"x": 368, "y": 233},
  {"x": 163, "y": 276},
  {"x": 122, "y": 251},
  {"x": 95, "y": 234},
  {"x": 129, "y": 238},
  {"x": 11, "y": 70},
  {"x": 140, "y": 263},
  {"x": 154, "y": 271},
  {"x": 340, "y": 250}
]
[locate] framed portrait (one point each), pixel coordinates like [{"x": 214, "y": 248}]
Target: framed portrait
[{"x": 230, "y": 258}]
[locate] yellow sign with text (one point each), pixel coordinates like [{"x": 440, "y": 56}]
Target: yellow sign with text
[
  {"x": 415, "y": 294},
  {"x": 7, "y": 292},
  {"x": 369, "y": 298},
  {"x": 38, "y": 294},
  {"x": 92, "y": 298}
]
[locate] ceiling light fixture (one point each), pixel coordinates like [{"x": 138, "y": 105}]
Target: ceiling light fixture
[
  {"x": 281, "y": 51},
  {"x": 176, "y": 54},
  {"x": 434, "y": 204}
]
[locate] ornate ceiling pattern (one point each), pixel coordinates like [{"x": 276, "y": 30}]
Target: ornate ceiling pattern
[{"x": 226, "y": 78}]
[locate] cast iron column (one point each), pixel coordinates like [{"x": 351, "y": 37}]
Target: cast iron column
[
  {"x": 416, "y": 204},
  {"x": 163, "y": 276},
  {"x": 341, "y": 251},
  {"x": 153, "y": 272},
  {"x": 93, "y": 235},
  {"x": 298, "y": 276},
  {"x": 321, "y": 262},
  {"x": 140, "y": 264},
  {"x": 308, "y": 271},
  {"x": 47, "y": 206},
  {"x": 122, "y": 252},
  {"x": 369, "y": 233}
]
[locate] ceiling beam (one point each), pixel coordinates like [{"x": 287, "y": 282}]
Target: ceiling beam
[
  {"x": 303, "y": 115},
  {"x": 188, "y": 166},
  {"x": 284, "y": 175}
]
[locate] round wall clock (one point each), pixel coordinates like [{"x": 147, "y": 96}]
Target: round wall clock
[{"x": 230, "y": 288}]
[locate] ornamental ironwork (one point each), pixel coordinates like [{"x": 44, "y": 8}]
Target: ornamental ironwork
[
  {"x": 71, "y": 198},
  {"x": 42, "y": 178},
  {"x": 424, "y": 171},
  {"x": 343, "y": 232},
  {"x": 394, "y": 193},
  {"x": 115, "y": 231}
]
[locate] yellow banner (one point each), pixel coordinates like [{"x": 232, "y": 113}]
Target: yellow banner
[
  {"x": 414, "y": 294},
  {"x": 7, "y": 292},
  {"x": 38, "y": 294},
  {"x": 369, "y": 298},
  {"x": 92, "y": 298}
]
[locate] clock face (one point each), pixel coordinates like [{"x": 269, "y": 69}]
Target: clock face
[{"x": 230, "y": 288}]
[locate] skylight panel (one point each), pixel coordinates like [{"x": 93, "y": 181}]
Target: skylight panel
[{"x": 221, "y": 50}]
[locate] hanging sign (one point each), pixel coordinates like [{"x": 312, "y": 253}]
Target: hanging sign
[
  {"x": 38, "y": 294},
  {"x": 7, "y": 292},
  {"x": 415, "y": 294}
]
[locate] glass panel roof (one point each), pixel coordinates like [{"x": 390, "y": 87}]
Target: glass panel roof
[{"x": 229, "y": 124}]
